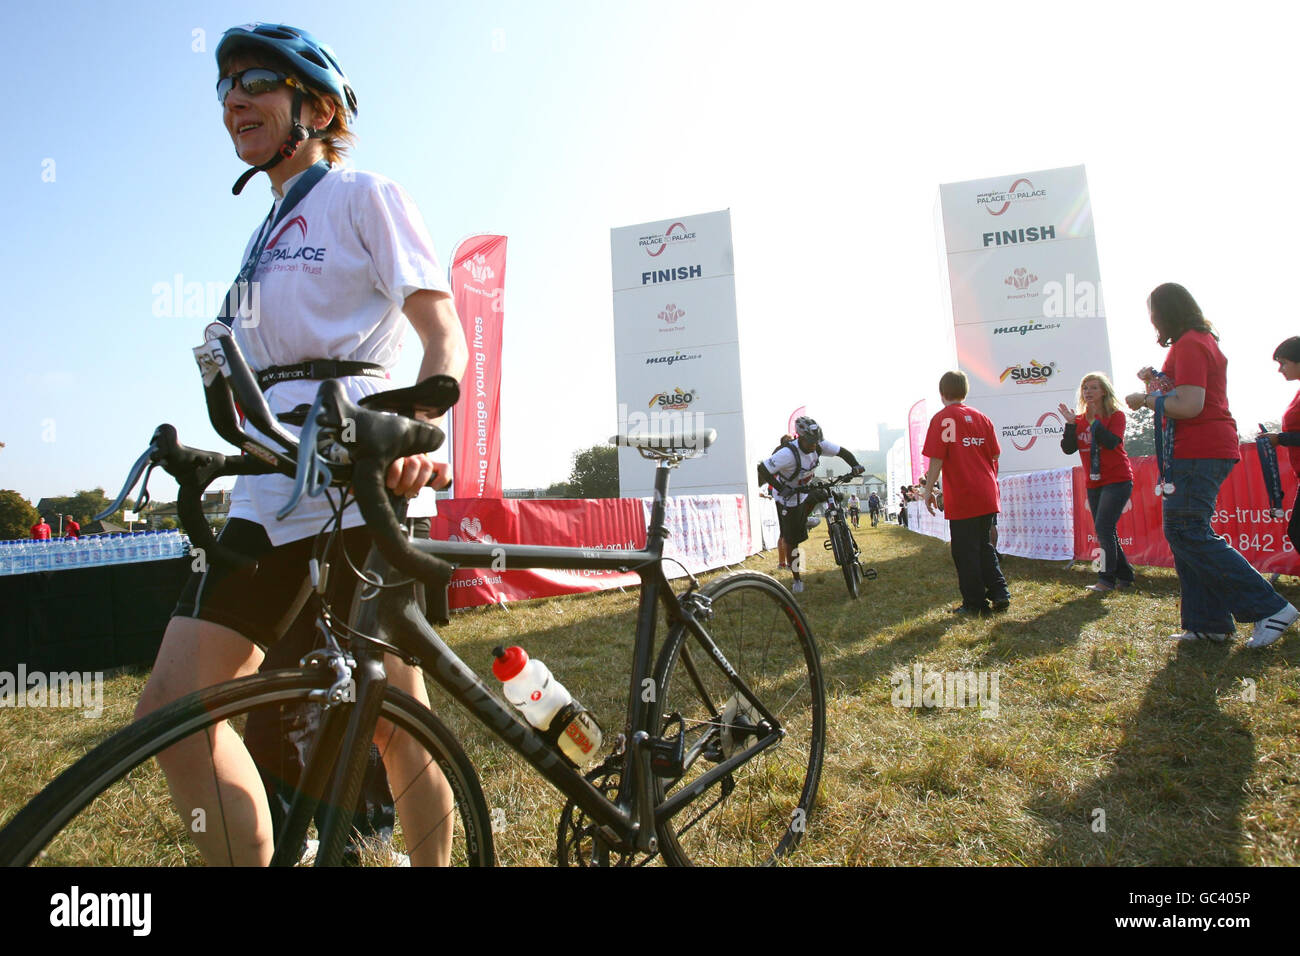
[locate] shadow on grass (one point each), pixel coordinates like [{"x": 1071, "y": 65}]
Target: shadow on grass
[{"x": 1174, "y": 796}]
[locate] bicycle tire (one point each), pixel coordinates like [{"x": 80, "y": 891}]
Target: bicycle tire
[
  {"x": 759, "y": 813},
  {"x": 848, "y": 560},
  {"x": 112, "y": 807}
]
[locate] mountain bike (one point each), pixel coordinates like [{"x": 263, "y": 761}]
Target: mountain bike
[
  {"x": 840, "y": 541},
  {"x": 720, "y": 750}
]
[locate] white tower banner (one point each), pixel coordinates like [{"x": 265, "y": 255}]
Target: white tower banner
[
  {"x": 677, "y": 349},
  {"x": 1020, "y": 263}
]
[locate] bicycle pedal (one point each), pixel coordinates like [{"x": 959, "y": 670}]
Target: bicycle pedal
[
  {"x": 826, "y": 545},
  {"x": 668, "y": 754},
  {"x": 869, "y": 573}
]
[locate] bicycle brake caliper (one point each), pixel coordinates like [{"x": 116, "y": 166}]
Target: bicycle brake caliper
[{"x": 344, "y": 687}]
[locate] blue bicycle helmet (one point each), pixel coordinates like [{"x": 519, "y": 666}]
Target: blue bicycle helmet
[{"x": 312, "y": 59}]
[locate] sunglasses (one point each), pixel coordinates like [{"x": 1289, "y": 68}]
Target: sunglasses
[{"x": 253, "y": 81}]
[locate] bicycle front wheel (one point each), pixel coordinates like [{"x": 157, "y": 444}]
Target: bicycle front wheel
[
  {"x": 759, "y": 812},
  {"x": 844, "y": 554},
  {"x": 113, "y": 806}
]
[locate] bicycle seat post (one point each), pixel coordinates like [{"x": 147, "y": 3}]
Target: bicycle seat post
[{"x": 657, "y": 533}]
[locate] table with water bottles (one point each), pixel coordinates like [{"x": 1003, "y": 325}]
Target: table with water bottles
[{"x": 58, "y": 554}]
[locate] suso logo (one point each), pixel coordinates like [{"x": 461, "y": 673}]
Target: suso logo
[
  {"x": 997, "y": 202},
  {"x": 671, "y": 359},
  {"x": 478, "y": 268},
  {"x": 655, "y": 243},
  {"x": 1035, "y": 373},
  {"x": 1021, "y": 280},
  {"x": 675, "y": 401}
]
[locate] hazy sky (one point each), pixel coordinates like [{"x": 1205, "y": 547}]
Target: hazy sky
[{"x": 825, "y": 128}]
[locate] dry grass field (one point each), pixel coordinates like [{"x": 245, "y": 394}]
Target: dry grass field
[{"x": 1106, "y": 744}]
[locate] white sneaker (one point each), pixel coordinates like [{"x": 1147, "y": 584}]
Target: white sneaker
[
  {"x": 797, "y": 587},
  {"x": 1190, "y": 636},
  {"x": 1270, "y": 629}
]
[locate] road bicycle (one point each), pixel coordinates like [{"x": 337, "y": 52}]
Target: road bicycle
[
  {"x": 840, "y": 541},
  {"x": 720, "y": 751}
]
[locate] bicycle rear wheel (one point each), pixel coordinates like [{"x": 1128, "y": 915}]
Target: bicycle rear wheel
[
  {"x": 113, "y": 808},
  {"x": 759, "y": 812}
]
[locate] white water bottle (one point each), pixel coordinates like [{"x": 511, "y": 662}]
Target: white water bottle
[{"x": 546, "y": 704}]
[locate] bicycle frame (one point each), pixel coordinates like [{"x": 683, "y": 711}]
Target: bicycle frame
[{"x": 633, "y": 819}]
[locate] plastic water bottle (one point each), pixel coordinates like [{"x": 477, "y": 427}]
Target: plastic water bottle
[{"x": 545, "y": 704}]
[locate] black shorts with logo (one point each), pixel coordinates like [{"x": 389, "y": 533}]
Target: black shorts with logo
[
  {"x": 264, "y": 604},
  {"x": 794, "y": 523}
]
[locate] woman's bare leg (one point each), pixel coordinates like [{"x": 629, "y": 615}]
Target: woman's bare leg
[{"x": 212, "y": 778}]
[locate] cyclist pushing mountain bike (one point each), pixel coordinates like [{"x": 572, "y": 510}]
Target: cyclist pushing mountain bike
[
  {"x": 788, "y": 470},
  {"x": 339, "y": 261}
]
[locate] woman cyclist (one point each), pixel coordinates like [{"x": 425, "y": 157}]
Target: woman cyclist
[{"x": 336, "y": 274}]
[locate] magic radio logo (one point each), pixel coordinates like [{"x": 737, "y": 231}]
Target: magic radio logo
[
  {"x": 1035, "y": 373},
  {"x": 678, "y": 400},
  {"x": 478, "y": 268},
  {"x": 655, "y": 243},
  {"x": 999, "y": 201}
]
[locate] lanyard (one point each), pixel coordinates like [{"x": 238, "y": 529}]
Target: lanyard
[{"x": 300, "y": 189}]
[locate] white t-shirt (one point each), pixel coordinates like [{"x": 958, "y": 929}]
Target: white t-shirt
[
  {"x": 783, "y": 462},
  {"x": 331, "y": 281}
]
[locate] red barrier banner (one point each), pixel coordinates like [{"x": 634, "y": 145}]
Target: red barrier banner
[
  {"x": 606, "y": 524},
  {"x": 478, "y": 277},
  {"x": 1241, "y": 515}
]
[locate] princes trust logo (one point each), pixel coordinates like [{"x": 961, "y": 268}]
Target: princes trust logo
[
  {"x": 1021, "y": 279},
  {"x": 472, "y": 528},
  {"x": 478, "y": 268},
  {"x": 671, "y": 314}
]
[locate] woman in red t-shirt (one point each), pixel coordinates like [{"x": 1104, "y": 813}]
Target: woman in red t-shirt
[
  {"x": 1287, "y": 357},
  {"x": 1218, "y": 584},
  {"x": 1097, "y": 434}
]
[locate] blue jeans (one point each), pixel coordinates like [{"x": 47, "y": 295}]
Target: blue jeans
[
  {"x": 1106, "y": 504},
  {"x": 1218, "y": 584}
]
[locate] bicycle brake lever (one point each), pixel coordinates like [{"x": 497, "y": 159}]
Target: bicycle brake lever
[
  {"x": 136, "y": 470},
  {"x": 313, "y": 475}
]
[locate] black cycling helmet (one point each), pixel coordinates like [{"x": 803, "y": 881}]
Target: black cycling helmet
[
  {"x": 806, "y": 427},
  {"x": 313, "y": 61}
]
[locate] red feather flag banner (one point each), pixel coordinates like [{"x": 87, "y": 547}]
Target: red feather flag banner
[{"x": 478, "y": 277}]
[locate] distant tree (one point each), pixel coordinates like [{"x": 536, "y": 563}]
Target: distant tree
[
  {"x": 16, "y": 515},
  {"x": 1250, "y": 434},
  {"x": 1140, "y": 433},
  {"x": 561, "y": 489},
  {"x": 595, "y": 472}
]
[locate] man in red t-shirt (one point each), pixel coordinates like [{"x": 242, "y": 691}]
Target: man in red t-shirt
[
  {"x": 71, "y": 529},
  {"x": 40, "y": 530},
  {"x": 963, "y": 444}
]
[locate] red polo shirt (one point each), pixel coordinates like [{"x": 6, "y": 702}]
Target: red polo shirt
[
  {"x": 967, "y": 443},
  {"x": 1195, "y": 359}
]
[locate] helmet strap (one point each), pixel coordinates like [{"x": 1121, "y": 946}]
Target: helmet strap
[{"x": 298, "y": 134}]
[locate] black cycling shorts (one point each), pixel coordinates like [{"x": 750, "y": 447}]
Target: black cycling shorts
[
  {"x": 794, "y": 523},
  {"x": 264, "y": 604}
]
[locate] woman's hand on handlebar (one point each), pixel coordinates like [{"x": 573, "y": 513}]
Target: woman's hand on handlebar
[{"x": 406, "y": 476}]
